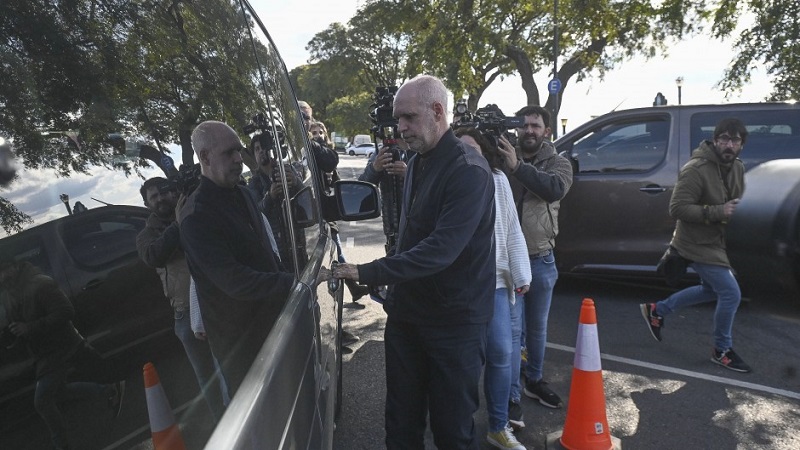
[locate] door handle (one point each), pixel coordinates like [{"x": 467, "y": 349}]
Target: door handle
[
  {"x": 94, "y": 284},
  {"x": 653, "y": 189},
  {"x": 333, "y": 283}
]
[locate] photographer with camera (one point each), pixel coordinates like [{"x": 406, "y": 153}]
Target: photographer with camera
[
  {"x": 539, "y": 179},
  {"x": 387, "y": 167},
  {"x": 159, "y": 247},
  {"x": 328, "y": 160},
  {"x": 267, "y": 189}
]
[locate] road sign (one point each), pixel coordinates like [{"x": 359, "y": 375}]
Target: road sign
[{"x": 554, "y": 86}]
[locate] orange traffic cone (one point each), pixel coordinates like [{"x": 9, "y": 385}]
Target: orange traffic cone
[
  {"x": 586, "y": 426},
  {"x": 165, "y": 432}
]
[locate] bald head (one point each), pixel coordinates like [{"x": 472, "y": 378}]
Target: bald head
[
  {"x": 420, "y": 106},
  {"x": 219, "y": 150}
]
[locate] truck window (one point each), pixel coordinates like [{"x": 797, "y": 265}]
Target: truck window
[
  {"x": 632, "y": 146},
  {"x": 772, "y": 134},
  {"x": 96, "y": 243},
  {"x": 28, "y": 248}
]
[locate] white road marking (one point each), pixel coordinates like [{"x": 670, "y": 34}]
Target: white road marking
[
  {"x": 350, "y": 243},
  {"x": 687, "y": 373}
]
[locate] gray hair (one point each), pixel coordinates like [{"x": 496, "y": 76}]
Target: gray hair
[
  {"x": 203, "y": 136},
  {"x": 431, "y": 89}
]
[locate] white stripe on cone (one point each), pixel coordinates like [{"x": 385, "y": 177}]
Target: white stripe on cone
[
  {"x": 587, "y": 349},
  {"x": 158, "y": 409}
]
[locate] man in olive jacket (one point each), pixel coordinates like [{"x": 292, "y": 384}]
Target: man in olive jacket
[
  {"x": 539, "y": 179},
  {"x": 159, "y": 246},
  {"x": 705, "y": 197}
]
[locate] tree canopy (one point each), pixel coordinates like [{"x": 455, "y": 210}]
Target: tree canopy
[
  {"x": 472, "y": 43},
  {"x": 80, "y": 74}
]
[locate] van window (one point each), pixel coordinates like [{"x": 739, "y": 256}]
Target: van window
[
  {"x": 772, "y": 134},
  {"x": 632, "y": 146}
]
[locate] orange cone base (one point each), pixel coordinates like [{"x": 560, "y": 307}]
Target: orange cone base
[
  {"x": 169, "y": 439},
  {"x": 586, "y": 426},
  {"x": 553, "y": 442}
]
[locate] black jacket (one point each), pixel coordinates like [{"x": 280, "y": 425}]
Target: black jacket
[
  {"x": 241, "y": 285},
  {"x": 444, "y": 269}
]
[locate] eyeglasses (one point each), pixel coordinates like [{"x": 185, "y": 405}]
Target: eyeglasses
[{"x": 725, "y": 139}]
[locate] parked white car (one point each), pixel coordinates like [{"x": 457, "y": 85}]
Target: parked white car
[{"x": 366, "y": 149}]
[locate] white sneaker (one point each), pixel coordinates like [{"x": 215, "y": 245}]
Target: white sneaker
[{"x": 504, "y": 439}]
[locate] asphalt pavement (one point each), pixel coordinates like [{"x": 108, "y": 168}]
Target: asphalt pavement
[{"x": 659, "y": 395}]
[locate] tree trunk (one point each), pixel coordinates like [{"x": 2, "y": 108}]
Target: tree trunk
[{"x": 525, "y": 70}]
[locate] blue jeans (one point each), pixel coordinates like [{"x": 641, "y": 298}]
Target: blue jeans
[
  {"x": 53, "y": 388},
  {"x": 537, "y": 309},
  {"x": 716, "y": 283},
  {"x": 206, "y": 368},
  {"x": 435, "y": 370},
  {"x": 500, "y": 362},
  {"x": 517, "y": 311}
]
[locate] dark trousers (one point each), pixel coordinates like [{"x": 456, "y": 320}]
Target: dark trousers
[{"x": 435, "y": 370}]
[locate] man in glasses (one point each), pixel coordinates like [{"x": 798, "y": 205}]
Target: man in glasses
[
  {"x": 704, "y": 199},
  {"x": 241, "y": 283}
]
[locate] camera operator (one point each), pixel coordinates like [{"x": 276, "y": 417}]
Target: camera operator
[
  {"x": 387, "y": 167},
  {"x": 387, "y": 170},
  {"x": 159, "y": 247},
  {"x": 539, "y": 179},
  {"x": 267, "y": 189},
  {"x": 319, "y": 135}
]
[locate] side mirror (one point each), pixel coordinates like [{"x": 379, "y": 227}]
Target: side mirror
[
  {"x": 303, "y": 211},
  {"x": 357, "y": 200}
]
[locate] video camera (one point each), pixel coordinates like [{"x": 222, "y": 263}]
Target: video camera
[
  {"x": 184, "y": 181},
  {"x": 385, "y": 125},
  {"x": 491, "y": 122},
  {"x": 269, "y": 141}
]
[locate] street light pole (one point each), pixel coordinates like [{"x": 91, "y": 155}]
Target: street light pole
[
  {"x": 679, "y": 83},
  {"x": 563, "y": 126}
]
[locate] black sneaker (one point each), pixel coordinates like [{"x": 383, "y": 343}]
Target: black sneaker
[
  {"x": 115, "y": 398},
  {"x": 654, "y": 322},
  {"x": 515, "y": 418},
  {"x": 730, "y": 360},
  {"x": 545, "y": 395}
]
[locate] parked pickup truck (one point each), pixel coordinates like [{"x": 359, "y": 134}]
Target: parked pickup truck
[{"x": 615, "y": 219}]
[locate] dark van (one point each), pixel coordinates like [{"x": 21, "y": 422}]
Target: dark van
[{"x": 156, "y": 73}]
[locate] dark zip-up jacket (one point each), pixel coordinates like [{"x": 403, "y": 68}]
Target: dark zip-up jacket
[
  {"x": 443, "y": 271},
  {"x": 241, "y": 285}
]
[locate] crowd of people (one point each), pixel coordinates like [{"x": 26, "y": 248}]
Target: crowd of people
[{"x": 470, "y": 272}]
